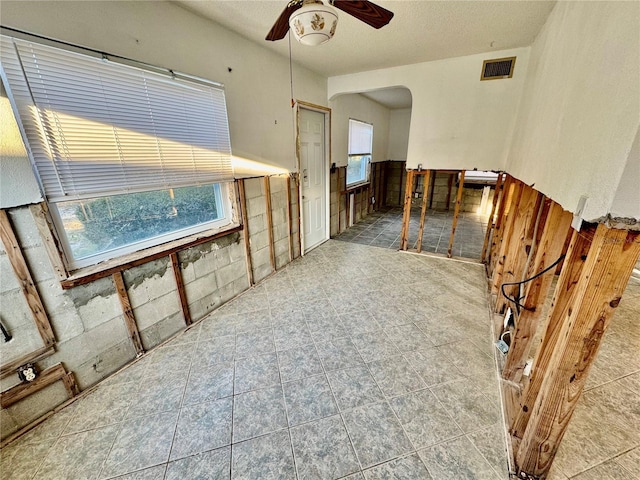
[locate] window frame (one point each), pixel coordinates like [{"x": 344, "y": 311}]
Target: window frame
[
  {"x": 350, "y": 155},
  {"x": 222, "y": 194}
]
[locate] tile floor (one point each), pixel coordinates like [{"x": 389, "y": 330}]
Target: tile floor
[
  {"x": 324, "y": 371},
  {"x": 382, "y": 229}
]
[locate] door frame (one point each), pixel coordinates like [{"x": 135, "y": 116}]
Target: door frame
[{"x": 326, "y": 111}]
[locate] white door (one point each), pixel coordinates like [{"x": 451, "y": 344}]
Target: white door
[{"x": 313, "y": 177}]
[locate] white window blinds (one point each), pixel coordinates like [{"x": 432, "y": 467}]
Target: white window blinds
[
  {"x": 97, "y": 128},
  {"x": 360, "y": 137}
]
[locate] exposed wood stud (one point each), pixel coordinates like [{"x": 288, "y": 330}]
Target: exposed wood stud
[
  {"x": 296, "y": 176},
  {"x": 182, "y": 294},
  {"x": 610, "y": 261},
  {"x": 491, "y": 221},
  {"x": 289, "y": 216},
  {"x": 456, "y": 212},
  {"x": 70, "y": 384},
  {"x": 51, "y": 243},
  {"x": 23, "y": 390},
  {"x": 423, "y": 211},
  {"x": 272, "y": 252},
  {"x": 505, "y": 237},
  {"x": 245, "y": 233},
  {"x": 11, "y": 367},
  {"x": 432, "y": 189},
  {"x": 498, "y": 229},
  {"x": 127, "y": 313},
  {"x": 23, "y": 275},
  {"x": 515, "y": 255},
  {"x": 159, "y": 253},
  {"x": 563, "y": 294},
  {"x": 558, "y": 222},
  {"x": 406, "y": 216}
]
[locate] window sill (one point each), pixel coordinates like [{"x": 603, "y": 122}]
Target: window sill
[
  {"x": 114, "y": 265},
  {"x": 357, "y": 186}
]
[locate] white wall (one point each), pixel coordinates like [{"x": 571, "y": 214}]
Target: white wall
[
  {"x": 581, "y": 105},
  {"x": 457, "y": 121},
  {"x": 399, "y": 127},
  {"x": 360, "y": 108},
  {"x": 626, "y": 203},
  {"x": 18, "y": 185},
  {"x": 163, "y": 34}
]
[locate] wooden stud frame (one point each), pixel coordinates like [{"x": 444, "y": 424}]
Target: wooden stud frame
[
  {"x": 267, "y": 193},
  {"x": 456, "y": 213},
  {"x": 127, "y": 313},
  {"x": 425, "y": 191},
  {"x": 44, "y": 379},
  {"x": 406, "y": 217},
  {"x": 584, "y": 317},
  {"x": 245, "y": 223},
  {"x": 491, "y": 222},
  {"x": 177, "y": 273}
]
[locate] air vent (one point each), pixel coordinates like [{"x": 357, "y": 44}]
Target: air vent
[{"x": 498, "y": 68}]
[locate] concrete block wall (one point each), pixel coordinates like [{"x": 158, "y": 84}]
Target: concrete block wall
[
  {"x": 395, "y": 182},
  {"x": 471, "y": 195},
  {"x": 280, "y": 224},
  {"x": 338, "y": 201},
  {"x": 295, "y": 215},
  {"x": 257, "y": 224},
  {"x": 91, "y": 338}
]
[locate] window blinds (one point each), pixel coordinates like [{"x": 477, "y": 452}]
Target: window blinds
[
  {"x": 360, "y": 138},
  {"x": 96, "y": 127}
]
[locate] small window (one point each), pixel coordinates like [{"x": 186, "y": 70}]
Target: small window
[
  {"x": 360, "y": 150},
  {"x": 128, "y": 157}
]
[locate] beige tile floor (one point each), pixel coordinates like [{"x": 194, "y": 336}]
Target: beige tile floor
[{"x": 355, "y": 362}]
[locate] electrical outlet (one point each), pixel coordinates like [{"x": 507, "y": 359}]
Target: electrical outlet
[
  {"x": 416, "y": 194},
  {"x": 527, "y": 367},
  {"x": 502, "y": 346},
  {"x": 373, "y": 200}
]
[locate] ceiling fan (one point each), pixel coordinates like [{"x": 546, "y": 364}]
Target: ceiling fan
[{"x": 314, "y": 23}]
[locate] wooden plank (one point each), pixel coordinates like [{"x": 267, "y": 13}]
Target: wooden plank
[
  {"x": 158, "y": 252},
  {"x": 11, "y": 367},
  {"x": 515, "y": 255},
  {"x": 70, "y": 384},
  {"x": 272, "y": 251},
  {"x": 245, "y": 223},
  {"x": 565, "y": 288},
  {"x": 50, "y": 240},
  {"x": 456, "y": 213},
  {"x": 606, "y": 272},
  {"x": 23, "y": 275},
  {"x": 289, "y": 216},
  {"x": 22, "y": 390},
  {"x": 549, "y": 249},
  {"x": 423, "y": 211},
  {"x": 298, "y": 209},
  {"x": 491, "y": 221},
  {"x": 502, "y": 248},
  {"x": 127, "y": 313},
  {"x": 406, "y": 216},
  {"x": 182, "y": 294},
  {"x": 496, "y": 240}
]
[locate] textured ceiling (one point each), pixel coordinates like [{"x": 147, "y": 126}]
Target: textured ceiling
[{"x": 421, "y": 30}]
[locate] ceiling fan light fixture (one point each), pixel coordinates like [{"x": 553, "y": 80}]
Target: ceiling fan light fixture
[{"x": 313, "y": 24}]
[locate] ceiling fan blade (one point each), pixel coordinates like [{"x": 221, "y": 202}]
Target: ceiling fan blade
[
  {"x": 365, "y": 11},
  {"x": 281, "y": 27}
]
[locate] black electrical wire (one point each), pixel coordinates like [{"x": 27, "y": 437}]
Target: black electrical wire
[
  {"x": 7, "y": 336},
  {"x": 516, "y": 301}
]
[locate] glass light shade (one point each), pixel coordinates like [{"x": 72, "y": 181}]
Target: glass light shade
[{"x": 313, "y": 24}]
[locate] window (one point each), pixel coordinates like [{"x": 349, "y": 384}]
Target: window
[
  {"x": 360, "y": 147},
  {"x": 127, "y": 157}
]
